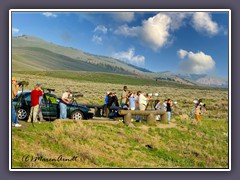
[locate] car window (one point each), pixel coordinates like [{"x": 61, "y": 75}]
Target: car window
[
  {"x": 51, "y": 99},
  {"x": 28, "y": 97}
]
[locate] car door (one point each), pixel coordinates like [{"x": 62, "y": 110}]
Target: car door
[{"x": 49, "y": 106}]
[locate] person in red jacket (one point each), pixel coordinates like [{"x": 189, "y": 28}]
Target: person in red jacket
[{"x": 35, "y": 94}]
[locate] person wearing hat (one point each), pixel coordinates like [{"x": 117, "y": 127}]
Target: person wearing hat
[
  {"x": 15, "y": 87},
  {"x": 35, "y": 95},
  {"x": 63, "y": 104},
  {"x": 124, "y": 96}
]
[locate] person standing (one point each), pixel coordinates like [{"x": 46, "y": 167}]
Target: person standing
[
  {"x": 164, "y": 105},
  {"x": 137, "y": 105},
  {"x": 63, "y": 104},
  {"x": 105, "y": 108},
  {"x": 157, "y": 107},
  {"x": 115, "y": 100},
  {"x": 169, "y": 109},
  {"x": 124, "y": 96},
  {"x": 40, "y": 115},
  {"x": 132, "y": 98},
  {"x": 35, "y": 95},
  {"x": 199, "y": 109},
  {"x": 15, "y": 87},
  {"x": 142, "y": 100}
]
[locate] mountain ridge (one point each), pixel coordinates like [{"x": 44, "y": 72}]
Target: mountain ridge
[{"x": 33, "y": 53}]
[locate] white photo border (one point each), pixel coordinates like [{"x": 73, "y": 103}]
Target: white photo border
[{"x": 121, "y": 10}]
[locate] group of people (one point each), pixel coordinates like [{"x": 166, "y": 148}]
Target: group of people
[
  {"x": 166, "y": 106},
  {"x": 134, "y": 101},
  {"x": 128, "y": 100},
  {"x": 36, "y": 100}
]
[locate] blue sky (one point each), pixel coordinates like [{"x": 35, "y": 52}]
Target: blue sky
[{"x": 190, "y": 42}]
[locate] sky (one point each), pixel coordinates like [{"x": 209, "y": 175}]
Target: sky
[{"x": 179, "y": 41}]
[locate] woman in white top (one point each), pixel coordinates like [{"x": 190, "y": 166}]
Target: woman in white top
[{"x": 142, "y": 100}]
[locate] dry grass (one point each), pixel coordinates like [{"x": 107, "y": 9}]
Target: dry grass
[{"x": 94, "y": 93}]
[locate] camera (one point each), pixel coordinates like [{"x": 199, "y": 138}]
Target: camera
[
  {"x": 200, "y": 102},
  {"x": 48, "y": 89},
  {"x": 23, "y": 83}
]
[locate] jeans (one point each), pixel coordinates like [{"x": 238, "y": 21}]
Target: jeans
[
  {"x": 169, "y": 115},
  {"x": 63, "y": 111},
  {"x": 14, "y": 116}
]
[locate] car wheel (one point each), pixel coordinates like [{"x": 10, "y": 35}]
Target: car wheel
[
  {"x": 22, "y": 114},
  {"x": 77, "y": 115}
]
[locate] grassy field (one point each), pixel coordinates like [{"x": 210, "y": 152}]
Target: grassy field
[
  {"x": 114, "y": 145},
  {"x": 180, "y": 144}
]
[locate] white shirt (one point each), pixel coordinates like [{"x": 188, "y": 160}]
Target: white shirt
[
  {"x": 164, "y": 106},
  {"x": 142, "y": 99}
]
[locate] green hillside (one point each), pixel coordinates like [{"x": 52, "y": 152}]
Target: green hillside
[
  {"x": 39, "y": 59},
  {"x": 27, "y": 48}
]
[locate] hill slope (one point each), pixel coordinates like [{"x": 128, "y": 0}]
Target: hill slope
[{"x": 28, "y": 50}]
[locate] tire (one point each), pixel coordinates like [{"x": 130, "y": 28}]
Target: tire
[
  {"x": 22, "y": 114},
  {"x": 77, "y": 115}
]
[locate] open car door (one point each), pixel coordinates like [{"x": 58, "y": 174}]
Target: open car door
[{"x": 49, "y": 106}]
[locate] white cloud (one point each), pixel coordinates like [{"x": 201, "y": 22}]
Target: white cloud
[
  {"x": 182, "y": 53},
  {"x": 15, "y": 31},
  {"x": 202, "y": 22},
  {"x": 130, "y": 57},
  {"x": 155, "y": 30},
  {"x": 97, "y": 39},
  {"x": 177, "y": 19},
  {"x": 49, "y": 14},
  {"x": 195, "y": 62},
  {"x": 127, "y": 31},
  {"x": 101, "y": 28},
  {"x": 124, "y": 16}
]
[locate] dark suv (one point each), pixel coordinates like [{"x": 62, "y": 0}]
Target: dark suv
[{"x": 50, "y": 107}]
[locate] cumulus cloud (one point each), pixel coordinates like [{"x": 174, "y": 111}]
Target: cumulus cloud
[
  {"x": 101, "y": 29},
  {"x": 130, "y": 57},
  {"x": 124, "y": 16},
  {"x": 49, "y": 14},
  {"x": 155, "y": 30},
  {"x": 195, "y": 62},
  {"x": 15, "y": 31},
  {"x": 97, "y": 39},
  {"x": 202, "y": 22}
]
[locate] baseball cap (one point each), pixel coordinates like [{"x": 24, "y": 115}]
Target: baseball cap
[
  {"x": 14, "y": 79},
  {"x": 38, "y": 84}
]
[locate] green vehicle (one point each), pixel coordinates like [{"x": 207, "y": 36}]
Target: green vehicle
[{"x": 50, "y": 107}]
